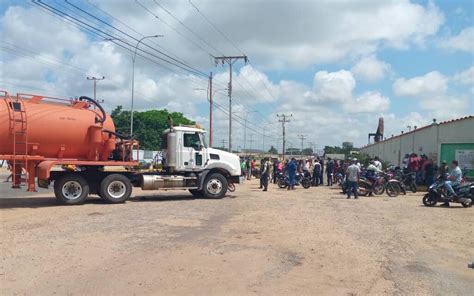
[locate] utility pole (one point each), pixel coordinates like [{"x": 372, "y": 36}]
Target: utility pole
[
  {"x": 284, "y": 119},
  {"x": 230, "y": 60},
  {"x": 95, "y": 84},
  {"x": 251, "y": 141},
  {"x": 223, "y": 143},
  {"x": 302, "y": 138},
  {"x": 210, "y": 110},
  {"x": 311, "y": 145}
]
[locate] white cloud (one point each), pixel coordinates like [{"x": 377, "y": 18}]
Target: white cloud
[
  {"x": 333, "y": 86},
  {"x": 430, "y": 83},
  {"x": 368, "y": 102},
  {"x": 465, "y": 77},
  {"x": 464, "y": 41},
  {"x": 314, "y": 31},
  {"x": 370, "y": 69}
]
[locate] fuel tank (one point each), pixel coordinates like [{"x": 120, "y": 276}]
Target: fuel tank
[{"x": 64, "y": 130}]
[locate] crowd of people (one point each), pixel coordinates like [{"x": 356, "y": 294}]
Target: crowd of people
[{"x": 348, "y": 172}]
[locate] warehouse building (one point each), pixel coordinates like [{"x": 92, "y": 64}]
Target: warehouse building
[{"x": 447, "y": 140}]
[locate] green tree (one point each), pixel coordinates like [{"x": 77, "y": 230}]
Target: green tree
[
  {"x": 307, "y": 151},
  {"x": 147, "y": 125},
  {"x": 273, "y": 150}
]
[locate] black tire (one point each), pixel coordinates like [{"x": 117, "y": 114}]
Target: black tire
[
  {"x": 429, "y": 200},
  {"x": 467, "y": 204},
  {"x": 196, "y": 193},
  {"x": 306, "y": 183},
  {"x": 413, "y": 188},
  {"x": 392, "y": 190},
  {"x": 379, "y": 189},
  {"x": 282, "y": 183},
  {"x": 115, "y": 188},
  {"x": 71, "y": 189},
  {"x": 215, "y": 186}
]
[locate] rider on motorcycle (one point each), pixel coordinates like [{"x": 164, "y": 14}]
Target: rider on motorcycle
[
  {"x": 454, "y": 178},
  {"x": 372, "y": 172}
]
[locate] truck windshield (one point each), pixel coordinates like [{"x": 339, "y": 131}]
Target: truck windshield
[{"x": 203, "y": 140}]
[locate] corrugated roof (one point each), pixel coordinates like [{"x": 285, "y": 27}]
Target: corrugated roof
[{"x": 423, "y": 127}]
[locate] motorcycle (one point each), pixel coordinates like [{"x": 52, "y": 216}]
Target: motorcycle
[
  {"x": 382, "y": 184},
  {"x": 408, "y": 180},
  {"x": 300, "y": 179},
  {"x": 437, "y": 193}
]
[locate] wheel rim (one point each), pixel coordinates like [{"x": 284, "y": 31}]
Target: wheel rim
[
  {"x": 116, "y": 189},
  {"x": 214, "y": 186},
  {"x": 72, "y": 190}
]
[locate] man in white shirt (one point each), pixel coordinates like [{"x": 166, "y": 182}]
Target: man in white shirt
[
  {"x": 378, "y": 163},
  {"x": 352, "y": 175}
]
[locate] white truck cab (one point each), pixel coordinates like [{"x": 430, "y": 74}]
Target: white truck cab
[{"x": 186, "y": 157}]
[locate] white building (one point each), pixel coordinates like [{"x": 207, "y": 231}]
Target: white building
[{"x": 447, "y": 140}]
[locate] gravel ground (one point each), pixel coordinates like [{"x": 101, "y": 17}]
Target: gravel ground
[{"x": 302, "y": 242}]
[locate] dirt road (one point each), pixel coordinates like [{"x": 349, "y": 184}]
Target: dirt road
[{"x": 303, "y": 242}]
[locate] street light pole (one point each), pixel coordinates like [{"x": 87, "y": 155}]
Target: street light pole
[{"x": 133, "y": 76}]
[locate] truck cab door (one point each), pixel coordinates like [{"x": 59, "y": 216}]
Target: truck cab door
[{"x": 192, "y": 152}]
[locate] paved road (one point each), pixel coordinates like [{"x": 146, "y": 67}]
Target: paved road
[{"x": 303, "y": 242}]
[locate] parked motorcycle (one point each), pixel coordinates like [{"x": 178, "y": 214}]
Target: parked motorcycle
[
  {"x": 409, "y": 181},
  {"x": 382, "y": 184},
  {"x": 300, "y": 179},
  {"x": 438, "y": 193}
]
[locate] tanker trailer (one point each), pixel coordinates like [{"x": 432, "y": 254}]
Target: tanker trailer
[{"x": 73, "y": 145}]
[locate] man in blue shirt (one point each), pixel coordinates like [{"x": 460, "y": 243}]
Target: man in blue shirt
[{"x": 291, "y": 169}]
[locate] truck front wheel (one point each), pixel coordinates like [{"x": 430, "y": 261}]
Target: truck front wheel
[
  {"x": 115, "y": 188},
  {"x": 71, "y": 189},
  {"x": 215, "y": 186}
]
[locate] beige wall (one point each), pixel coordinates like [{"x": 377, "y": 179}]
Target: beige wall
[{"x": 426, "y": 140}]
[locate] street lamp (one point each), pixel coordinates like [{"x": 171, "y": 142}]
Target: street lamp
[
  {"x": 134, "y": 56},
  {"x": 133, "y": 76}
]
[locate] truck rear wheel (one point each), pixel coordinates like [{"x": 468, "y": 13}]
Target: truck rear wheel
[
  {"x": 115, "y": 188},
  {"x": 71, "y": 189},
  {"x": 215, "y": 186}
]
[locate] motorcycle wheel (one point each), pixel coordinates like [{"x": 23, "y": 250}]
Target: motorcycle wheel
[
  {"x": 282, "y": 184},
  {"x": 392, "y": 190},
  {"x": 361, "y": 191},
  {"x": 379, "y": 189},
  {"x": 413, "y": 188},
  {"x": 306, "y": 183},
  {"x": 429, "y": 200},
  {"x": 467, "y": 204}
]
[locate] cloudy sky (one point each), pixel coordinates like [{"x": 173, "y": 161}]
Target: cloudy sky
[{"x": 336, "y": 66}]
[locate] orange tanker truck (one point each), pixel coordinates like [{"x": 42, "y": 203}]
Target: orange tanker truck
[{"x": 72, "y": 144}]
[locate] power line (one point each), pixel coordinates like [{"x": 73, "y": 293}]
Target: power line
[
  {"x": 302, "y": 138},
  {"x": 191, "y": 69},
  {"x": 187, "y": 28},
  {"x": 215, "y": 27}
]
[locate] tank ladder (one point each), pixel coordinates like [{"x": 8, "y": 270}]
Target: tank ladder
[{"x": 19, "y": 130}]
